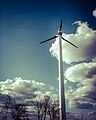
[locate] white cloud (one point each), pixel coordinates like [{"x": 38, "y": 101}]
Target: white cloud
[
  {"x": 26, "y": 90},
  {"x": 72, "y": 116},
  {"x": 81, "y": 104},
  {"x": 3, "y": 97},
  {"x": 84, "y": 76},
  {"x": 91, "y": 115},
  {"x": 84, "y": 38},
  {"x": 94, "y": 13},
  {"x": 80, "y": 73},
  {"x": 18, "y": 86}
]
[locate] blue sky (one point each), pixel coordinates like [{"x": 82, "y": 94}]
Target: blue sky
[{"x": 25, "y": 23}]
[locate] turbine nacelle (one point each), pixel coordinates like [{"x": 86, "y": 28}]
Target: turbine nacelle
[{"x": 60, "y": 31}]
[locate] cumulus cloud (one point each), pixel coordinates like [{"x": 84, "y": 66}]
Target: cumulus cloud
[
  {"x": 82, "y": 73},
  {"x": 18, "y": 86},
  {"x": 84, "y": 77},
  {"x": 72, "y": 116},
  {"x": 4, "y": 98},
  {"x": 94, "y": 13},
  {"x": 84, "y": 38},
  {"x": 81, "y": 105},
  {"x": 25, "y": 90},
  {"x": 91, "y": 115}
]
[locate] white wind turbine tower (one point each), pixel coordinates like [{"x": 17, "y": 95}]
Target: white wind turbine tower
[{"x": 62, "y": 105}]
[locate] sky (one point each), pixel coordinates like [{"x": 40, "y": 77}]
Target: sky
[{"x": 24, "y": 24}]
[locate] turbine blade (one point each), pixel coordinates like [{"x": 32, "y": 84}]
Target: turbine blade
[
  {"x": 49, "y": 39},
  {"x": 69, "y": 42},
  {"x": 61, "y": 24}
]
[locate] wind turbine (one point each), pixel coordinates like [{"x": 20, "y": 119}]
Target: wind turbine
[{"x": 62, "y": 105}]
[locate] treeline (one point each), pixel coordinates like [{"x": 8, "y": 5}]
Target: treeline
[
  {"x": 45, "y": 109},
  {"x": 42, "y": 110}
]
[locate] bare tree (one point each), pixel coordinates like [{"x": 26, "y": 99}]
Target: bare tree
[
  {"x": 47, "y": 107},
  {"x": 6, "y": 108},
  {"x": 53, "y": 110},
  {"x": 19, "y": 112},
  {"x": 10, "y": 110},
  {"x": 42, "y": 108}
]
